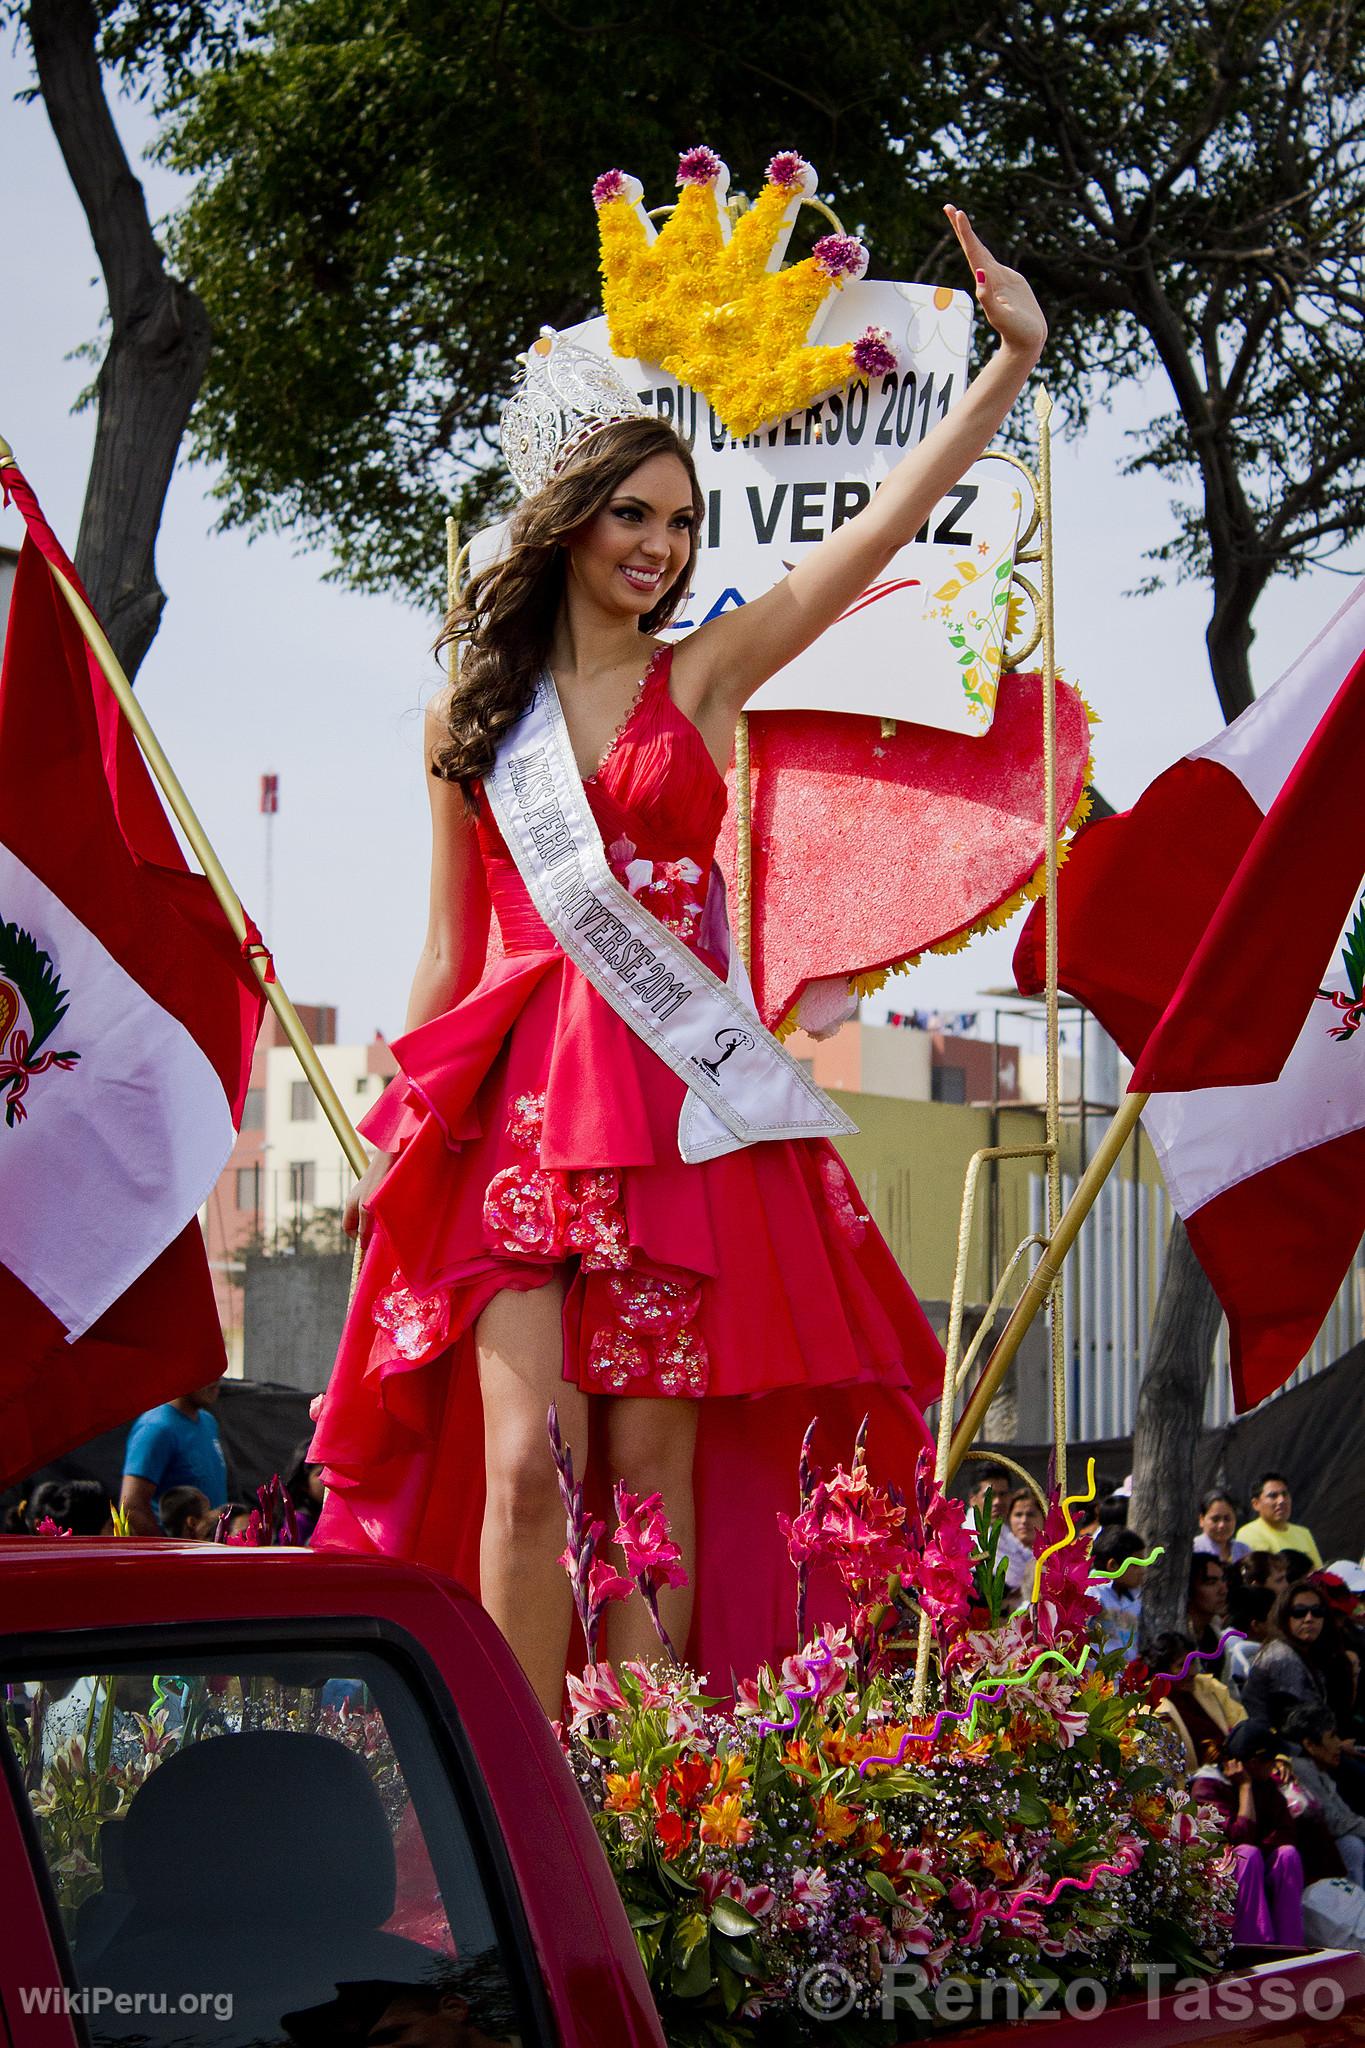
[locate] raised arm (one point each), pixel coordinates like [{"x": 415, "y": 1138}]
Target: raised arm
[{"x": 718, "y": 668}]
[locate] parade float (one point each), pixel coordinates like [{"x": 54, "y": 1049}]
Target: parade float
[{"x": 943, "y": 1784}]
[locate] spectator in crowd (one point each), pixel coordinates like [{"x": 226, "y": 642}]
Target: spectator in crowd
[
  {"x": 1024, "y": 1516},
  {"x": 173, "y": 1445},
  {"x": 1267, "y": 1568},
  {"x": 80, "y": 1506},
  {"x": 1250, "y": 1609},
  {"x": 1208, "y": 1608},
  {"x": 1113, "y": 1510},
  {"x": 186, "y": 1512},
  {"x": 1278, "y": 1852},
  {"x": 991, "y": 1489},
  {"x": 1018, "y": 1533},
  {"x": 1271, "y": 1528},
  {"x": 1217, "y": 1523},
  {"x": 1301, "y": 1663},
  {"x": 1118, "y": 1552},
  {"x": 303, "y": 1484},
  {"x": 1202, "y": 1711},
  {"x": 1316, "y": 1756}
]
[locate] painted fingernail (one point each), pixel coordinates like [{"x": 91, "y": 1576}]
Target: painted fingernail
[{"x": 981, "y": 277}]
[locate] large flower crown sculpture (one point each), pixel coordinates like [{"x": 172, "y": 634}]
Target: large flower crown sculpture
[{"x": 706, "y": 299}]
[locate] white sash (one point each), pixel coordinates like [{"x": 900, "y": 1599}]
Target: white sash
[{"x": 742, "y": 1087}]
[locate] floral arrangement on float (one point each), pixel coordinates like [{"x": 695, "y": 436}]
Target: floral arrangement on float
[{"x": 778, "y": 1856}]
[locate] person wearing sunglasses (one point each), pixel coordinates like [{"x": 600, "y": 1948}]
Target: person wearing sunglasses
[{"x": 1301, "y": 1663}]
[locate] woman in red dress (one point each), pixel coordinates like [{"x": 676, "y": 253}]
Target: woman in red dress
[{"x": 532, "y": 1233}]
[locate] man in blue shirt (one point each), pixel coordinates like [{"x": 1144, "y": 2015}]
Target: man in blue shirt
[{"x": 174, "y": 1445}]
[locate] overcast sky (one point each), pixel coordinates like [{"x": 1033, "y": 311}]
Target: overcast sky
[{"x": 261, "y": 665}]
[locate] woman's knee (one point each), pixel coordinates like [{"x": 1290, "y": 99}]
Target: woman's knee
[{"x": 522, "y": 1484}]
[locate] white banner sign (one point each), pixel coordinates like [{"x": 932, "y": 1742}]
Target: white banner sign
[{"x": 924, "y": 642}]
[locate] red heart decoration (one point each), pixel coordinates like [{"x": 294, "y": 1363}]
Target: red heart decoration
[{"x": 867, "y": 849}]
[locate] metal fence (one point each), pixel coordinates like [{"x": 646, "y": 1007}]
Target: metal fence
[{"x": 1110, "y": 1285}]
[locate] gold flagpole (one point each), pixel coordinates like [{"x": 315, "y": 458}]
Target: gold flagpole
[{"x": 214, "y": 873}]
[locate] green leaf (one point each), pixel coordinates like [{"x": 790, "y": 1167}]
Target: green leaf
[
  {"x": 691, "y": 1974},
  {"x": 731, "y": 1918},
  {"x": 878, "y": 1882},
  {"x": 1030, "y": 1811}
]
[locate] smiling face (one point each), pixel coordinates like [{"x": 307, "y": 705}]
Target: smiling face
[{"x": 627, "y": 555}]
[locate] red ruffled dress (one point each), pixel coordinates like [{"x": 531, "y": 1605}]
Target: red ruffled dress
[{"x": 537, "y": 1136}]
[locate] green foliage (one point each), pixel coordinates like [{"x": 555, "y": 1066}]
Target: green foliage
[{"x": 392, "y": 200}]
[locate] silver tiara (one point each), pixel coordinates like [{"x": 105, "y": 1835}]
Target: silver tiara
[{"x": 566, "y": 395}]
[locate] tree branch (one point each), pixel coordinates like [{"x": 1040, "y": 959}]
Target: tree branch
[{"x": 159, "y": 345}]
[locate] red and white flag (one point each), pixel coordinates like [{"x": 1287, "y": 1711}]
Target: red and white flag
[
  {"x": 1201, "y": 927},
  {"x": 127, "y": 1019}
]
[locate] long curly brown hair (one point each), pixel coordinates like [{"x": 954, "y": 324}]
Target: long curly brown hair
[{"x": 503, "y": 620}]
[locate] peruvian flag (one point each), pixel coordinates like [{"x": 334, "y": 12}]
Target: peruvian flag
[
  {"x": 127, "y": 1019},
  {"x": 1202, "y": 929}
]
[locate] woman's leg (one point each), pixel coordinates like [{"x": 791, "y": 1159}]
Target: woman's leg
[
  {"x": 650, "y": 1444},
  {"x": 520, "y": 1345},
  {"x": 1251, "y": 1916}
]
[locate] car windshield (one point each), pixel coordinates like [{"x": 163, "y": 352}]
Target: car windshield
[{"x": 260, "y": 1849}]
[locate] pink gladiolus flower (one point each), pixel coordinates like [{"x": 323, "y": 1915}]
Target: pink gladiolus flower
[
  {"x": 596, "y": 1692},
  {"x": 606, "y": 1583},
  {"x": 48, "y": 1527},
  {"x": 643, "y": 1535}
]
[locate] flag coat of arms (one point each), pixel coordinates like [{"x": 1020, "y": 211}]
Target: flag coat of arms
[
  {"x": 1203, "y": 928},
  {"x": 127, "y": 1020}
]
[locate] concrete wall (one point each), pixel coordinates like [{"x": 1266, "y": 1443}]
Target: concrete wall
[{"x": 294, "y": 1309}]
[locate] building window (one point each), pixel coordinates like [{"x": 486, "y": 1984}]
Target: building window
[
  {"x": 948, "y": 1084},
  {"x": 303, "y": 1104},
  {"x": 249, "y": 1187},
  {"x": 301, "y": 1180},
  {"x": 253, "y": 1110},
  {"x": 362, "y": 1086}
]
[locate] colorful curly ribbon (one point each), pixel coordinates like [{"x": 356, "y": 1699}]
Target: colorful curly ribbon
[
  {"x": 1116, "y": 1571},
  {"x": 975, "y": 1700},
  {"x": 1072, "y": 1500},
  {"x": 1229, "y": 1635}
]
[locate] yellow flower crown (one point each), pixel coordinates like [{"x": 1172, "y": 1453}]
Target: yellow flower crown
[{"x": 706, "y": 298}]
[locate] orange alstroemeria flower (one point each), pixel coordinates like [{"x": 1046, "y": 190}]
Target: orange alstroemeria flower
[
  {"x": 623, "y": 1794},
  {"x": 728, "y": 1775},
  {"x": 723, "y": 1823},
  {"x": 799, "y": 1756},
  {"x": 834, "y": 1822}
]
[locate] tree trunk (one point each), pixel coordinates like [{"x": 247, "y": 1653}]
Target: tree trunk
[
  {"x": 159, "y": 344},
  {"x": 1166, "y": 1436}
]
